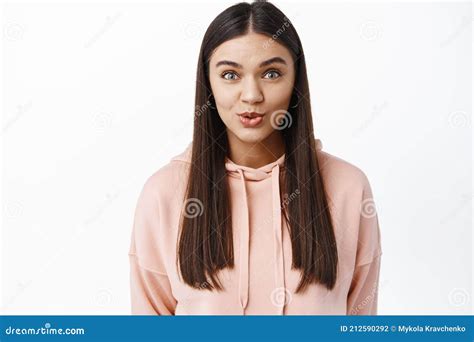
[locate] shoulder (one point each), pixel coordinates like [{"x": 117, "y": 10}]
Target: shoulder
[
  {"x": 352, "y": 203},
  {"x": 157, "y": 210},
  {"x": 169, "y": 181},
  {"x": 345, "y": 184},
  {"x": 342, "y": 179}
]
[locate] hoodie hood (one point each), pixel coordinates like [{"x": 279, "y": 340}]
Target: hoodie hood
[{"x": 246, "y": 174}]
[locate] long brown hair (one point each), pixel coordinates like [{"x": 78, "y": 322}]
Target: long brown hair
[{"x": 205, "y": 240}]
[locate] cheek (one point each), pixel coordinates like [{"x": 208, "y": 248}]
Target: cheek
[
  {"x": 225, "y": 99},
  {"x": 279, "y": 98}
]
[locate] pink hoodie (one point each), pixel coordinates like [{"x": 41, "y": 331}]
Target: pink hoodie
[{"x": 262, "y": 281}]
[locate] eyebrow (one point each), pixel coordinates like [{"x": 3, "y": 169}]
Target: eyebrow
[{"x": 265, "y": 63}]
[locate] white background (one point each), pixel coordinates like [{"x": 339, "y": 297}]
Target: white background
[{"x": 96, "y": 97}]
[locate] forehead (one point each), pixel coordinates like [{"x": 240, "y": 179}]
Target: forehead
[{"x": 249, "y": 50}]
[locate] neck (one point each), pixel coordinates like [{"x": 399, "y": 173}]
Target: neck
[{"x": 258, "y": 154}]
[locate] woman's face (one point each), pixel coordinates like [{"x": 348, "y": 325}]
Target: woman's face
[{"x": 251, "y": 73}]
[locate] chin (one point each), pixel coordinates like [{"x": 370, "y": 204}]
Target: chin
[{"x": 252, "y": 136}]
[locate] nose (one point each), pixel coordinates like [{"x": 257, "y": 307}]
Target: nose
[{"x": 251, "y": 92}]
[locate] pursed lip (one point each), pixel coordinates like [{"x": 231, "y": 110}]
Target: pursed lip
[{"x": 250, "y": 114}]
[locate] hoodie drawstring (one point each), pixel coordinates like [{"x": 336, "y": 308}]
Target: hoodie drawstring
[
  {"x": 280, "y": 291},
  {"x": 244, "y": 250}
]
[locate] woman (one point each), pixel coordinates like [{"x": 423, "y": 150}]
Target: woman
[{"x": 253, "y": 217}]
